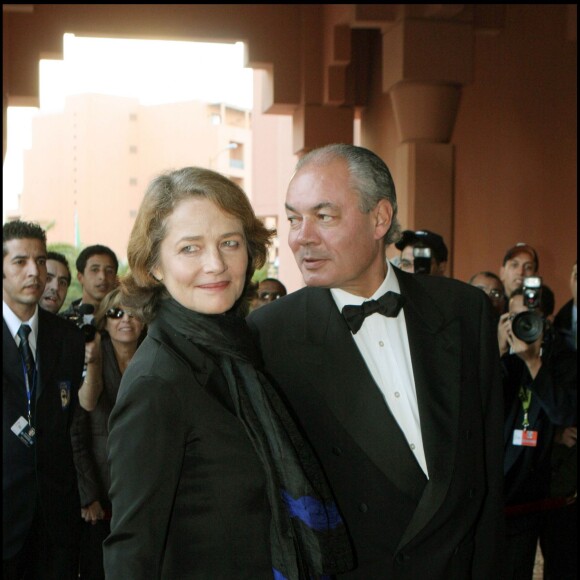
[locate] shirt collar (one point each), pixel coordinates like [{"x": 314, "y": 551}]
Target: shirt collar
[
  {"x": 13, "y": 322},
  {"x": 343, "y": 298}
]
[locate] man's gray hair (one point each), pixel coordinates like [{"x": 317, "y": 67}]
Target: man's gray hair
[{"x": 369, "y": 177}]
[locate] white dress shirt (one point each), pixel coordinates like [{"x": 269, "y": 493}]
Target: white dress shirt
[
  {"x": 384, "y": 346},
  {"x": 13, "y": 323}
]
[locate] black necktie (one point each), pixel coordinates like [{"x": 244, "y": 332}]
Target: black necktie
[
  {"x": 26, "y": 352},
  {"x": 389, "y": 304}
]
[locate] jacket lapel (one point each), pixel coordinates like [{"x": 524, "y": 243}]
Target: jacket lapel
[
  {"x": 331, "y": 351},
  {"x": 47, "y": 352},
  {"x": 435, "y": 344},
  {"x": 12, "y": 365}
]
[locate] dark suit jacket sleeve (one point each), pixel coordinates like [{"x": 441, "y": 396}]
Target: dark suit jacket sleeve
[
  {"x": 145, "y": 451},
  {"x": 86, "y": 468},
  {"x": 490, "y": 531},
  {"x": 555, "y": 387}
]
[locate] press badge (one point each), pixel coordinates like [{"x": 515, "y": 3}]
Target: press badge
[
  {"x": 525, "y": 438},
  {"x": 24, "y": 431},
  {"x": 64, "y": 388}
]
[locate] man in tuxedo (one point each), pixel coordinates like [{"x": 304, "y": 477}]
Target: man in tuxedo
[
  {"x": 394, "y": 377},
  {"x": 42, "y": 367}
]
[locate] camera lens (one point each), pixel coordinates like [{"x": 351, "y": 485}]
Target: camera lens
[
  {"x": 528, "y": 326},
  {"x": 89, "y": 332}
]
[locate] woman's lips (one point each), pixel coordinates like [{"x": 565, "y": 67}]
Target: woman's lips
[{"x": 214, "y": 286}]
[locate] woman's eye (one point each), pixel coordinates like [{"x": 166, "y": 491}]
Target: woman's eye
[
  {"x": 231, "y": 243},
  {"x": 189, "y": 249}
]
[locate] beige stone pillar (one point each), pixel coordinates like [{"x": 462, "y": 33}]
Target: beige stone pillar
[{"x": 425, "y": 64}]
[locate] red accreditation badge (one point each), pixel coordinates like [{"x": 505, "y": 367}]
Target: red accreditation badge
[{"x": 525, "y": 438}]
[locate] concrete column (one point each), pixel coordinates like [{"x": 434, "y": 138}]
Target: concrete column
[{"x": 425, "y": 64}]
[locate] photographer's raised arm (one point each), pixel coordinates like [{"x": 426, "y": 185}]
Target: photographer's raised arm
[
  {"x": 92, "y": 386},
  {"x": 504, "y": 328},
  {"x": 529, "y": 353}
]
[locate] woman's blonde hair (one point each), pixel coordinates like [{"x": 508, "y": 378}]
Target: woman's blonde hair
[{"x": 140, "y": 289}]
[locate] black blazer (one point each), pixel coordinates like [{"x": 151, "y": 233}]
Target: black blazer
[
  {"x": 528, "y": 470},
  {"x": 45, "y": 472},
  {"x": 402, "y": 525},
  {"x": 187, "y": 488}
]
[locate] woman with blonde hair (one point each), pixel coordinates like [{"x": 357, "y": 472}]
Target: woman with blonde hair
[
  {"x": 210, "y": 477},
  {"x": 119, "y": 333}
]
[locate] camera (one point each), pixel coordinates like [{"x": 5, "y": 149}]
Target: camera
[
  {"x": 85, "y": 321},
  {"x": 422, "y": 259},
  {"x": 529, "y": 325}
]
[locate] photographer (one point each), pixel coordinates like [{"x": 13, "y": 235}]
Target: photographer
[
  {"x": 539, "y": 394},
  {"x": 97, "y": 267},
  {"x": 433, "y": 262}
]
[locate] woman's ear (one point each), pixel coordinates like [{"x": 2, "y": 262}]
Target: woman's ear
[{"x": 156, "y": 273}]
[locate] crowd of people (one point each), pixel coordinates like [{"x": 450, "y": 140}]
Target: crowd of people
[{"x": 385, "y": 421}]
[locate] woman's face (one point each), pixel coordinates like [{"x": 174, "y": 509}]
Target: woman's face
[
  {"x": 122, "y": 326},
  {"x": 203, "y": 258}
]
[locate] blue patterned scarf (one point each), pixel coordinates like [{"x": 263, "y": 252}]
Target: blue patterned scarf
[{"x": 308, "y": 537}]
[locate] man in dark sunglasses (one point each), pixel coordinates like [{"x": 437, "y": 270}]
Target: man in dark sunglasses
[{"x": 269, "y": 290}]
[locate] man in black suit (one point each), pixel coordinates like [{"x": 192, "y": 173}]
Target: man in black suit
[
  {"x": 404, "y": 410},
  {"x": 42, "y": 367}
]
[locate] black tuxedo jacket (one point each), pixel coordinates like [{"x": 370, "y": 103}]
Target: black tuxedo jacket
[
  {"x": 402, "y": 525},
  {"x": 42, "y": 475}
]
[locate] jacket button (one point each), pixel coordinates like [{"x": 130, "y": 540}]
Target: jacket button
[
  {"x": 337, "y": 450},
  {"x": 363, "y": 508}
]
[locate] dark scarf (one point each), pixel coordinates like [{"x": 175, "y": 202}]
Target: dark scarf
[{"x": 308, "y": 537}]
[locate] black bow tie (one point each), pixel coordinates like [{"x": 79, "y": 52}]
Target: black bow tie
[{"x": 389, "y": 304}]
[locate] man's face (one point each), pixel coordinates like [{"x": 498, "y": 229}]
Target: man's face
[
  {"x": 514, "y": 271},
  {"x": 494, "y": 289},
  {"x": 268, "y": 291},
  {"x": 98, "y": 279},
  {"x": 56, "y": 287},
  {"x": 24, "y": 269},
  {"x": 335, "y": 245}
]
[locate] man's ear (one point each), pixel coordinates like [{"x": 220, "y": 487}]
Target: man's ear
[
  {"x": 441, "y": 266},
  {"x": 80, "y": 277},
  {"x": 383, "y": 218}
]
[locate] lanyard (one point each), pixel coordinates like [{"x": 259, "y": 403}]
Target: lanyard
[
  {"x": 29, "y": 389},
  {"x": 525, "y": 396}
]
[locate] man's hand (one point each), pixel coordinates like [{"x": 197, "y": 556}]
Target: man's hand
[
  {"x": 93, "y": 350},
  {"x": 92, "y": 513},
  {"x": 529, "y": 353},
  {"x": 504, "y": 329},
  {"x": 566, "y": 436}
]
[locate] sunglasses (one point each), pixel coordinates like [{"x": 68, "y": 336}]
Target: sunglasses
[
  {"x": 493, "y": 293},
  {"x": 117, "y": 313},
  {"x": 270, "y": 295}
]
